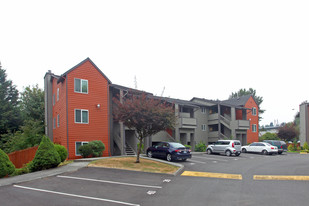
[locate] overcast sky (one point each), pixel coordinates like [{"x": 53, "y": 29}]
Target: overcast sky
[{"x": 205, "y": 49}]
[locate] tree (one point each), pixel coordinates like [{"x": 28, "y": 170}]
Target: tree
[
  {"x": 288, "y": 132},
  {"x": 243, "y": 92},
  {"x": 6, "y": 166},
  {"x": 146, "y": 114},
  {"x": 9, "y": 105},
  {"x": 269, "y": 136}
]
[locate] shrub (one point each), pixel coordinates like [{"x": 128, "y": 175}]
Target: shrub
[
  {"x": 21, "y": 171},
  {"x": 45, "y": 157},
  {"x": 306, "y": 147},
  {"x": 85, "y": 150},
  {"x": 291, "y": 147},
  {"x": 62, "y": 151},
  {"x": 93, "y": 148},
  {"x": 6, "y": 166},
  {"x": 188, "y": 146},
  {"x": 200, "y": 147}
]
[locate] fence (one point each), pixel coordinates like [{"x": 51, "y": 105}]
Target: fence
[{"x": 21, "y": 157}]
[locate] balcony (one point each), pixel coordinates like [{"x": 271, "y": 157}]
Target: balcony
[
  {"x": 243, "y": 124},
  {"x": 189, "y": 123}
]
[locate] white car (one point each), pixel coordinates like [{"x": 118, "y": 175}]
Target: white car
[{"x": 260, "y": 147}]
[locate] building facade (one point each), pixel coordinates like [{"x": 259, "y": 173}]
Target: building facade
[
  {"x": 79, "y": 107},
  {"x": 304, "y": 123}
]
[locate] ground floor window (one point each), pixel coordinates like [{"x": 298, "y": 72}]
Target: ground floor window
[
  {"x": 77, "y": 145},
  {"x": 254, "y": 128},
  {"x": 203, "y": 127}
]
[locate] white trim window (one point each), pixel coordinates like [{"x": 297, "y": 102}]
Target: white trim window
[
  {"x": 254, "y": 128},
  {"x": 77, "y": 145},
  {"x": 54, "y": 123},
  {"x": 254, "y": 111},
  {"x": 81, "y": 116},
  {"x": 81, "y": 86},
  {"x": 203, "y": 110},
  {"x": 58, "y": 120},
  {"x": 57, "y": 94},
  {"x": 203, "y": 127}
]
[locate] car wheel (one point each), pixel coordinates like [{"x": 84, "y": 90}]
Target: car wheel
[
  {"x": 228, "y": 153},
  {"x": 279, "y": 152},
  {"x": 264, "y": 152},
  {"x": 244, "y": 150},
  {"x": 237, "y": 154},
  {"x": 209, "y": 151},
  {"x": 149, "y": 154},
  {"x": 185, "y": 159},
  {"x": 169, "y": 157}
]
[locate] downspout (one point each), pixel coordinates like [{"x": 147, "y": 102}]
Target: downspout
[{"x": 67, "y": 113}]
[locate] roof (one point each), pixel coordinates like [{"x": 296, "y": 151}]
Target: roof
[
  {"x": 180, "y": 102},
  {"x": 116, "y": 86},
  {"x": 89, "y": 60},
  {"x": 237, "y": 102}
]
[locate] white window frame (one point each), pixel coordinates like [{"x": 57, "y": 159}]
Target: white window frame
[
  {"x": 81, "y": 113},
  {"x": 203, "y": 110},
  {"x": 58, "y": 120},
  {"x": 253, "y": 127},
  {"x": 57, "y": 94},
  {"x": 82, "y": 143},
  {"x": 81, "y": 86},
  {"x": 54, "y": 122},
  {"x": 203, "y": 127},
  {"x": 254, "y": 111}
]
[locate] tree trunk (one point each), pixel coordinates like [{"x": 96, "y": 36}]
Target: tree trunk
[{"x": 139, "y": 150}]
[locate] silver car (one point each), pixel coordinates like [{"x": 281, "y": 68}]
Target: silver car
[{"x": 227, "y": 147}]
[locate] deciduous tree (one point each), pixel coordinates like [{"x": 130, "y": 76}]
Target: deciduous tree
[{"x": 145, "y": 114}]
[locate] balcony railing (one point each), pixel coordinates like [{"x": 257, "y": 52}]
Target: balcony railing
[{"x": 188, "y": 122}]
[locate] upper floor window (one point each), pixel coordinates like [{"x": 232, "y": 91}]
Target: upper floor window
[
  {"x": 81, "y": 86},
  {"x": 204, "y": 110},
  {"x": 203, "y": 127},
  {"x": 254, "y": 111},
  {"x": 58, "y": 120},
  {"x": 57, "y": 94},
  {"x": 81, "y": 116}
]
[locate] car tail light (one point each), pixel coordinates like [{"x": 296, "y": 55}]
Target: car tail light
[
  {"x": 281, "y": 147},
  {"x": 189, "y": 150},
  {"x": 272, "y": 148},
  {"x": 232, "y": 144},
  {"x": 177, "y": 150}
]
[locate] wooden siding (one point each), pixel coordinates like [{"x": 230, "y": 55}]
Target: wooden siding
[
  {"x": 254, "y": 119},
  {"x": 21, "y": 157}
]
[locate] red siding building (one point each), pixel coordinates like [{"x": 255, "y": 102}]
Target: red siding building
[{"x": 77, "y": 107}]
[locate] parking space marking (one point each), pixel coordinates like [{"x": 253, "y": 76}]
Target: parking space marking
[
  {"x": 196, "y": 161},
  {"x": 209, "y": 158},
  {"x": 74, "y": 195},
  {"x": 109, "y": 182},
  {"x": 212, "y": 175},
  {"x": 281, "y": 177}
]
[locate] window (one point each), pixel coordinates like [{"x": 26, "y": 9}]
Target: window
[
  {"x": 203, "y": 127},
  {"x": 254, "y": 111},
  {"x": 54, "y": 101},
  {"x": 81, "y": 86},
  {"x": 77, "y": 145},
  {"x": 81, "y": 116},
  {"x": 54, "y": 123},
  {"x": 254, "y": 128},
  {"x": 203, "y": 110},
  {"x": 58, "y": 121},
  {"x": 57, "y": 94}
]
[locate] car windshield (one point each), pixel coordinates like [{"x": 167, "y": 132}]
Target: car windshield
[
  {"x": 267, "y": 144},
  {"x": 176, "y": 145}
]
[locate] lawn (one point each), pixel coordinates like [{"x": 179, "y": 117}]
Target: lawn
[{"x": 128, "y": 163}]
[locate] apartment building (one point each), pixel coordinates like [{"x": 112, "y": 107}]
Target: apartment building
[{"x": 79, "y": 107}]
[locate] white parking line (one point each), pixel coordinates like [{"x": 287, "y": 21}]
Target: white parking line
[
  {"x": 110, "y": 182},
  {"x": 196, "y": 161},
  {"x": 209, "y": 158},
  {"x": 73, "y": 195}
]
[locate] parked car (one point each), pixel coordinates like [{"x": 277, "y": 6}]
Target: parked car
[
  {"x": 169, "y": 151},
  {"x": 227, "y": 147},
  {"x": 280, "y": 144},
  {"x": 260, "y": 147}
]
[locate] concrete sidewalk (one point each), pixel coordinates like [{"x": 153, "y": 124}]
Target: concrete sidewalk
[{"x": 76, "y": 165}]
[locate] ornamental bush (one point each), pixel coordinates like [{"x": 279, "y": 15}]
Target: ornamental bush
[
  {"x": 291, "y": 147},
  {"x": 45, "y": 157},
  {"x": 306, "y": 147},
  {"x": 200, "y": 147},
  {"x": 93, "y": 148},
  {"x": 6, "y": 166},
  {"x": 62, "y": 151}
]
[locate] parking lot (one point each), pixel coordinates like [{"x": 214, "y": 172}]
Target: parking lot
[{"x": 205, "y": 180}]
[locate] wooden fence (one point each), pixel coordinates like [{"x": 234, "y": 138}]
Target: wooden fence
[{"x": 21, "y": 157}]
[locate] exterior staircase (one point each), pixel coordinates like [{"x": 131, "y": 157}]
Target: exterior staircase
[{"x": 129, "y": 150}]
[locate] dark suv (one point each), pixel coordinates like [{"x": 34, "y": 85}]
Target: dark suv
[{"x": 282, "y": 147}]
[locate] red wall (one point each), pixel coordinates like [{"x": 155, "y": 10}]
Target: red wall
[
  {"x": 21, "y": 157},
  {"x": 254, "y": 119},
  {"x": 98, "y": 122}
]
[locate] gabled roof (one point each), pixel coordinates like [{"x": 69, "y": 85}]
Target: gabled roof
[
  {"x": 89, "y": 60},
  {"x": 119, "y": 87},
  {"x": 180, "y": 102},
  {"x": 237, "y": 102}
]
